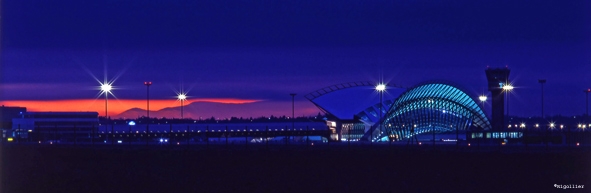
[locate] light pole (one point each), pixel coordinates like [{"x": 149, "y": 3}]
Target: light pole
[
  {"x": 292, "y": 111},
  {"x": 148, "y": 84},
  {"x": 106, "y": 88},
  {"x": 182, "y": 97},
  {"x": 587, "y": 104},
  {"x": 551, "y": 127},
  {"x": 542, "y": 82},
  {"x": 522, "y": 126},
  {"x": 507, "y": 88},
  {"x": 380, "y": 88},
  {"x": 482, "y": 99}
]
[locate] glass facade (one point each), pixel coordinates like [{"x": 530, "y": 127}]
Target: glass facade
[
  {"x": 431, "y": 107},
  {"x": 352, "y": 131}
]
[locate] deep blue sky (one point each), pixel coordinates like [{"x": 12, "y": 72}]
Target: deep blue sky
[{"x": 267, "y": 49}]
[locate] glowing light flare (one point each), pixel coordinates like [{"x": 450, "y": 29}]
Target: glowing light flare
[
  {"x": 182, "y": 97},
  {"x": 106, "y": 87},
  {"x": 380, "y": 87},
  {"x": 482, "y": 98},
  {"x": 508, "y": 87}
]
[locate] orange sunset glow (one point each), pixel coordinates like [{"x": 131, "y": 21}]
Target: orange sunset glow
[{"x": 115, "y": 106}]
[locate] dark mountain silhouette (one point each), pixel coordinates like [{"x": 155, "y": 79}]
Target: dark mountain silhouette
[{"x": 205, "y": 110}]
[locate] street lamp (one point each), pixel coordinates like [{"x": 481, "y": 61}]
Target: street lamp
[
  {"x": 293, "y": 110},
  {"x": 148, "y": 84},
  {"x": 587, "y": 105},
  {"x": 482, "y": 99},
  {"x": 542, "y": 81},
  {"x": 552, "y": 126},
  {"x": 106, "y": 88},
  {"x": 507, "y": 88},
  {"x": 380, "y": 88},
  {"x": 182, "y": 97},
  {"x": 524, "y": 127}
]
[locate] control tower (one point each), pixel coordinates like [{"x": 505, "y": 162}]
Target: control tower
[{"x": 497, "y": 78}]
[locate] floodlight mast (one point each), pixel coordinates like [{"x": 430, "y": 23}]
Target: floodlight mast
[
  {"x": 482, "y": 99},
  {"x": 542, "y": 82},
  {"x": 587, "y": 104},
  {"x": 380, "y": 88},
  {"x": 293, "y": 110},
  {"x": 148, "y": 84},
  {"x": 106, "y": 88},
  {"x": 508, "y": 88},
  {"x": 182, "y": 97}
]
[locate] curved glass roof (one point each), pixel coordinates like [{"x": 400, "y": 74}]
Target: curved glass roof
[{"x": 442, "y": 96}]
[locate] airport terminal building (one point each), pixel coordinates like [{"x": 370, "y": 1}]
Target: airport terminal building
[{"x": 432, "y": 107}]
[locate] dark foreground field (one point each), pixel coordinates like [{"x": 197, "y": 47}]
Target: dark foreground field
[{"x": 295, "y": 169}]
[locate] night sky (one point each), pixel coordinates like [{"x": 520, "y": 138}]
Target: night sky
[{"x": 257, "y": 52}]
